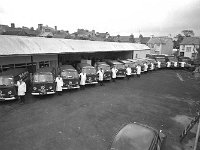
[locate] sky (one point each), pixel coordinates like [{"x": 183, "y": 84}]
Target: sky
[{"x": 124, "y": 17}]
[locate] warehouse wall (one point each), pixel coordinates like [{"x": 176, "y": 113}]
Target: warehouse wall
[{"x": 141, "y": 53}]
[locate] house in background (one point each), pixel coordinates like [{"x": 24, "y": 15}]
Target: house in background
[
  {"x": 189, "y": 47},
  {"x": 46, "y": 31},
  {"x": 161, "y": 45}
]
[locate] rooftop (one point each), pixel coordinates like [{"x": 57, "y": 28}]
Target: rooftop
[{"x": 190, "y": 41}]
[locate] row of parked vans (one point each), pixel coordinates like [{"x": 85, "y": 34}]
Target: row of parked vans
[{"x": 42, "y": 82}]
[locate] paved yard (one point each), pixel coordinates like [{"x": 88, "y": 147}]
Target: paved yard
[{"x": 88, "y": 119}]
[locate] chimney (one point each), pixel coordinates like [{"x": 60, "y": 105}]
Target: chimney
[
  {"x": 12, "y": 25},
  {"x": 40, "y": 26},
  {"x": 55, "y": 28}
]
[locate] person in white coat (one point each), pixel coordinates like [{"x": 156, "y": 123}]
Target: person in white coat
[
  {"x": 114, "y": 73},
  {"x": 168, "y": 64},
  {"x": 159, "y": 64},
  {"x": 21, "y": 90},
  {"x": 175, "y": 64},
  {"x": 182, "y": 64},
  {"x": 82, "y": 79},
  {"x": 128, "y": 72},
  {"x": 100, "y": 72},
  {"x": 152, "y": 66},
  {"x": 145, "y": 67},
  {"x": 59, "y": 84},
  {"x": 138, "y": 68}
]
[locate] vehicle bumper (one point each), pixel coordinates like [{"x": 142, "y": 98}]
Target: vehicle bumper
[
  {"x": 121, "y": 76},
  {"x": 107, "y": 79},
  {"x": 91, "y": 82},
  {"x": 7, "y": 99},
  {"x": 47, "y": 93},
  {"x": 70, "y": 87}
]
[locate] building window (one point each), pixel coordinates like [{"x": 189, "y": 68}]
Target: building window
[
  {"x": 188, "y": 49},
  {"x": 43, "y": 64},
  {"x": 181, "y": 53},
  {"x": 193, "y": 55},
  {"x": 182, "y": 47}
]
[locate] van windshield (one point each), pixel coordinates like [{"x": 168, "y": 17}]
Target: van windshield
[
  {"x": 172, "y": 58},
  {"x": 89, "y": 70},
  {"x": 160, "y": 59},
  {"x": 104, "y": 67},
  {"x": 120, "y": 66},
  {"x": 6, "y": 81},
  {"x": 69, "y": 74},
  {"x": 43, "y": 77}
]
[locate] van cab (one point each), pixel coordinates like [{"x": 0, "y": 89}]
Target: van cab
[
  {"x": 43, "y": 81},
  {"x": 91, "y": 76},
  {"x": 131, "y": 64},
  {"x": 8, "y": 80},
  {"x": 136, "y": 62},
  {"x": 186, "y": 60},
  {"x": 70, "y": 77},
  {"x": 106, "y": 68},
  {"x": 121, "y": 73}
]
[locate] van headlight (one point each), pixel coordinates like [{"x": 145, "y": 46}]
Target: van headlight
[
  {"x": 50, "y": 87},
  {"x": 34, "y": 88},
  {"x": 10, "y": 92}
]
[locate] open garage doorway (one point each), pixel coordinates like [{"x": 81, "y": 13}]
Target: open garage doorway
[{"x": 75, "y": 58}]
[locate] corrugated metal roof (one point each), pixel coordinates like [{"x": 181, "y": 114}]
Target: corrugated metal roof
[{"x": 20, "y": 45}]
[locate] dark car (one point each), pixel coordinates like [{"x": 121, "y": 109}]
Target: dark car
[
  {"x": 136, "y": 136},
  {"x": 70, "y": 77},
  {"x": 91, "y": 76},
  {"x": 43, "y": 81},
  {"x": 8, "y": 80},
  {"x": 106, "y": 68}
]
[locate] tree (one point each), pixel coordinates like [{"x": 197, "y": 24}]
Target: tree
[
  {"x": 188, "y": 33},
  {"x": 178, "y": 41},
  {"x": 131, "y": 39},
  {"x": 140, "y": 36},
  {"x": 118, "y": 38}
]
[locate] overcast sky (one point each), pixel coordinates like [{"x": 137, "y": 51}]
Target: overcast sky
[{"x": 148, "y": 17}]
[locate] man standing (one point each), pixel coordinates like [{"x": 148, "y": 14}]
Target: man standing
[
  {"x": 159, "y": 64},
  {"x": 182, "y": 64},
  {"x": 82, "y": 80},
  {"x": 138, "y": 68},
  {"x": 175, "y": 64},
  {"x": 145, "y": 67},
  {"x": 168, "y": 64},
  {"x": 100, "y": 72},
  {"x": 21, "y": 91},
  {"x": 128, "y": 72},
  {"x": 152, "y": 66},
  {"x": 114, "y": 73},
  {"x": 59, "y": 84}
]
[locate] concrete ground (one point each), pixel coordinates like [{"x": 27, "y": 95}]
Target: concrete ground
[{"x": 88, "y": 119}]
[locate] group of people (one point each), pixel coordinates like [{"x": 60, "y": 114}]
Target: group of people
[{"x": 59, "y": 81}]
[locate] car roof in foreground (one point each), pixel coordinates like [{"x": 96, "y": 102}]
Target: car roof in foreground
[{"x": 133, "y": 137}]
